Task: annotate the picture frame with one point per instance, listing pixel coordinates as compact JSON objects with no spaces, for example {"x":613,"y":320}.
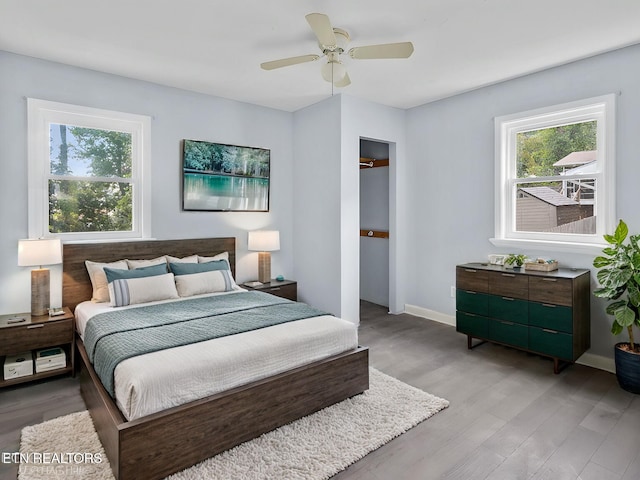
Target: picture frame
{"x":497,"y":258}
{"x":218,"y":177}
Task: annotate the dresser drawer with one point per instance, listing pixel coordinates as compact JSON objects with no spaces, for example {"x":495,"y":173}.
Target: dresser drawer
{"x":474,"y":325}
{"x":472,"y":279}
{"x":555,"y":317}
{"x":510,"y":309}
{"x":36,"y":335}
{"x":509,"y":284}
{"x":557,"y":291}
{"x":509,"y":333}
{"x":551,"y":342}
{"x":472,"y":302}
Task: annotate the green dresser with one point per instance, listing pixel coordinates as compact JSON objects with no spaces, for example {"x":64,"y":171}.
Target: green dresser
{"x":547,"y":313}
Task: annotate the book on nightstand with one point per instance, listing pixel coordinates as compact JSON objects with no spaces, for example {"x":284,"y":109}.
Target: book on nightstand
{"x":50,"y":359}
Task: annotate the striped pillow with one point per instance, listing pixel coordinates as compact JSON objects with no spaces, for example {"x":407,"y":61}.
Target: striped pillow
{"x":204,"y":282}
{"x":131,"y":291}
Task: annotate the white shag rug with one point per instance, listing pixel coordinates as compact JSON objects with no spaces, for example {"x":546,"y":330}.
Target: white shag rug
{"x":313,"y":448}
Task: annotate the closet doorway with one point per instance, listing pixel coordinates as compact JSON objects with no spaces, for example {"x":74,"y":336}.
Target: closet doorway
{"x":374,"y":222}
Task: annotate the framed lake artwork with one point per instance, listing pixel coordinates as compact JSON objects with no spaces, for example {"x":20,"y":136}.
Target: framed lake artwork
{"x":224,"y":178}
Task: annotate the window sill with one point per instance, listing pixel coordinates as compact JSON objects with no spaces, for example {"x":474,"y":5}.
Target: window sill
{"x":580,"y":248}
{"x":71,"y":240}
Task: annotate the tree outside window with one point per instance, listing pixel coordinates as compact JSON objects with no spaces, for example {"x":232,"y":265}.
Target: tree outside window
{"x":88,"y":172}
{"x":80,"y":200}
{"x":565,"y":203}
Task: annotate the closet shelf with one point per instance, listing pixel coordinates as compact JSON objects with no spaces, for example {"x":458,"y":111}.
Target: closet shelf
{"x":373,"y":162}
{"x":374,"y":233}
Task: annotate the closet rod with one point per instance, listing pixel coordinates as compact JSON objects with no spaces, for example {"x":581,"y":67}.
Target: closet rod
{"x":374,"y":233}
{"x":373,"y":162}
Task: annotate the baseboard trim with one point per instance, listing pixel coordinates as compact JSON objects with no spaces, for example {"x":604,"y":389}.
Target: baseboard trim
{"x":588,"y":359}
{"x":430,"y":314}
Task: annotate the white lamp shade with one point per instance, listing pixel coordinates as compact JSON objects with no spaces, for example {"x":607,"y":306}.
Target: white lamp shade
{"x":333,"y":71}
{"x":44,"y":251}
{"x":264,"y":240}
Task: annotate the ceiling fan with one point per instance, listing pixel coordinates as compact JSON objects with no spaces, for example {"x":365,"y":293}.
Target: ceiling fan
{"x":333,"y":42}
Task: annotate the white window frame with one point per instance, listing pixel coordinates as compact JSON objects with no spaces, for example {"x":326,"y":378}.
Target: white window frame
{"x":42,"y":113}
{"x":601,"y":109}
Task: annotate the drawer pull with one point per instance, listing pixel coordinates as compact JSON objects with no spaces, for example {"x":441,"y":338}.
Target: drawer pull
{"x":508,"y":298}
{"x":549,"y":279}
{"x":508,"y":274}
{"x":273,"y":289}
{"x":38,"y":325}
{"x":507,"y":323}
{"x":549,"y":331}
{"x":549,"y":305}
{"x":471,"y":293}
{"x":470,"y":270}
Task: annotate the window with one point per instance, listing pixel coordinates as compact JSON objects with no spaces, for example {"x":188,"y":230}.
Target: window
{"x":88,"y":172}
{"x":555,"y":175}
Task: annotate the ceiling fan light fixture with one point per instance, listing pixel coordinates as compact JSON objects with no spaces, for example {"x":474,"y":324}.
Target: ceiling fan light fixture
{"x":333,"y":71}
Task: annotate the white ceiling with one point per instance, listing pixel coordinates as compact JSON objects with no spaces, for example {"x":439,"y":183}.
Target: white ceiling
{"x":216,"y":46}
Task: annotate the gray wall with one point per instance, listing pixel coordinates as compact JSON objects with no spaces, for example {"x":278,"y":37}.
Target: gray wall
{"x":327,"y":200}
{"x":316,"y":208}
{"x":362,"y":119}
{"x":451,"y":181}
{"x":176,"y":115}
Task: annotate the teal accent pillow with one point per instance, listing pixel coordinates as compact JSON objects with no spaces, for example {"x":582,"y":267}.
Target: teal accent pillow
{"x":118,"y":274}
{"x":191,"y":268}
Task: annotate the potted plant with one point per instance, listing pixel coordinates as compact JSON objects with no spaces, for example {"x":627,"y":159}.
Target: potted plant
{"x":516,"y":260}
{"x":619,"y":278}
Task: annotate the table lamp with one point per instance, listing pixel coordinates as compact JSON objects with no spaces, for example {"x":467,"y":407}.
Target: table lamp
{"x":264,"y":241}
{"x":43,"y":251}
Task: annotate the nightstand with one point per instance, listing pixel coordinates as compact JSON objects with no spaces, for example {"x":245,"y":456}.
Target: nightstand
{"x":285,"y":288}
{"x":23,"y":332}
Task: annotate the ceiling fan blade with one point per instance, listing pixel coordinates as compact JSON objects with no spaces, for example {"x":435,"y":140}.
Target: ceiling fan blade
{"x":387,"y":50}
{"x":345,"y":82}
{"x":321,"y":26}
{"x":285,"y":62}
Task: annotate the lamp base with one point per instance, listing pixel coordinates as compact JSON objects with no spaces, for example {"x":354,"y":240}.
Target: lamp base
{"x":264,"y":267}
{"x":40,"y":295}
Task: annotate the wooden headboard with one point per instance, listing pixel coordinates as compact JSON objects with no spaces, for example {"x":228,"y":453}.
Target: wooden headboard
{"x":76,"y":285}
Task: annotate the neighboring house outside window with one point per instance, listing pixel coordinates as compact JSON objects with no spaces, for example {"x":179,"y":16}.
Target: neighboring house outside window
{"x":88,"y":172}
{"x":555,"y":176}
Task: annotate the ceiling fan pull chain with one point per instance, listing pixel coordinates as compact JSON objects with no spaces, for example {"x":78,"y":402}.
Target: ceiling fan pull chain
{"x":332,"y":78}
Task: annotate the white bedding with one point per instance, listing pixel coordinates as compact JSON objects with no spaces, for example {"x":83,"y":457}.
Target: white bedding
{"x":156,"y":381}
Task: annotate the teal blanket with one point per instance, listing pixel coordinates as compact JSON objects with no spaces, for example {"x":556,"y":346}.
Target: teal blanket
{"x":112,"y":337}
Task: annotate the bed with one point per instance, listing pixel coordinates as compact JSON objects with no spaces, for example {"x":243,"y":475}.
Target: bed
{"x":188,"y":433}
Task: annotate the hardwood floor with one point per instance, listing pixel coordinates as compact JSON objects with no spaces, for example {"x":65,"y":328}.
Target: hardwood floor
{"x":510,"y":417}
{"x":29,"y":404}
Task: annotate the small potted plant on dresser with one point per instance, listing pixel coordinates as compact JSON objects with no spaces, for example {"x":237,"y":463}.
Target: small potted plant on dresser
{"x":515,"y":260}
{"x":619,"y":278}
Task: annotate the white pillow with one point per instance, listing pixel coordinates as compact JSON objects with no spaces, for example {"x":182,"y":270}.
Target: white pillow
{"x":142,"y":290}
{"x":99,"y":279}
{"x":220,"y":256}
{"x":146,"y":263}
{"x":215,"y":258}
{"x":189,"y":259}
{"x":204,"y":282}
